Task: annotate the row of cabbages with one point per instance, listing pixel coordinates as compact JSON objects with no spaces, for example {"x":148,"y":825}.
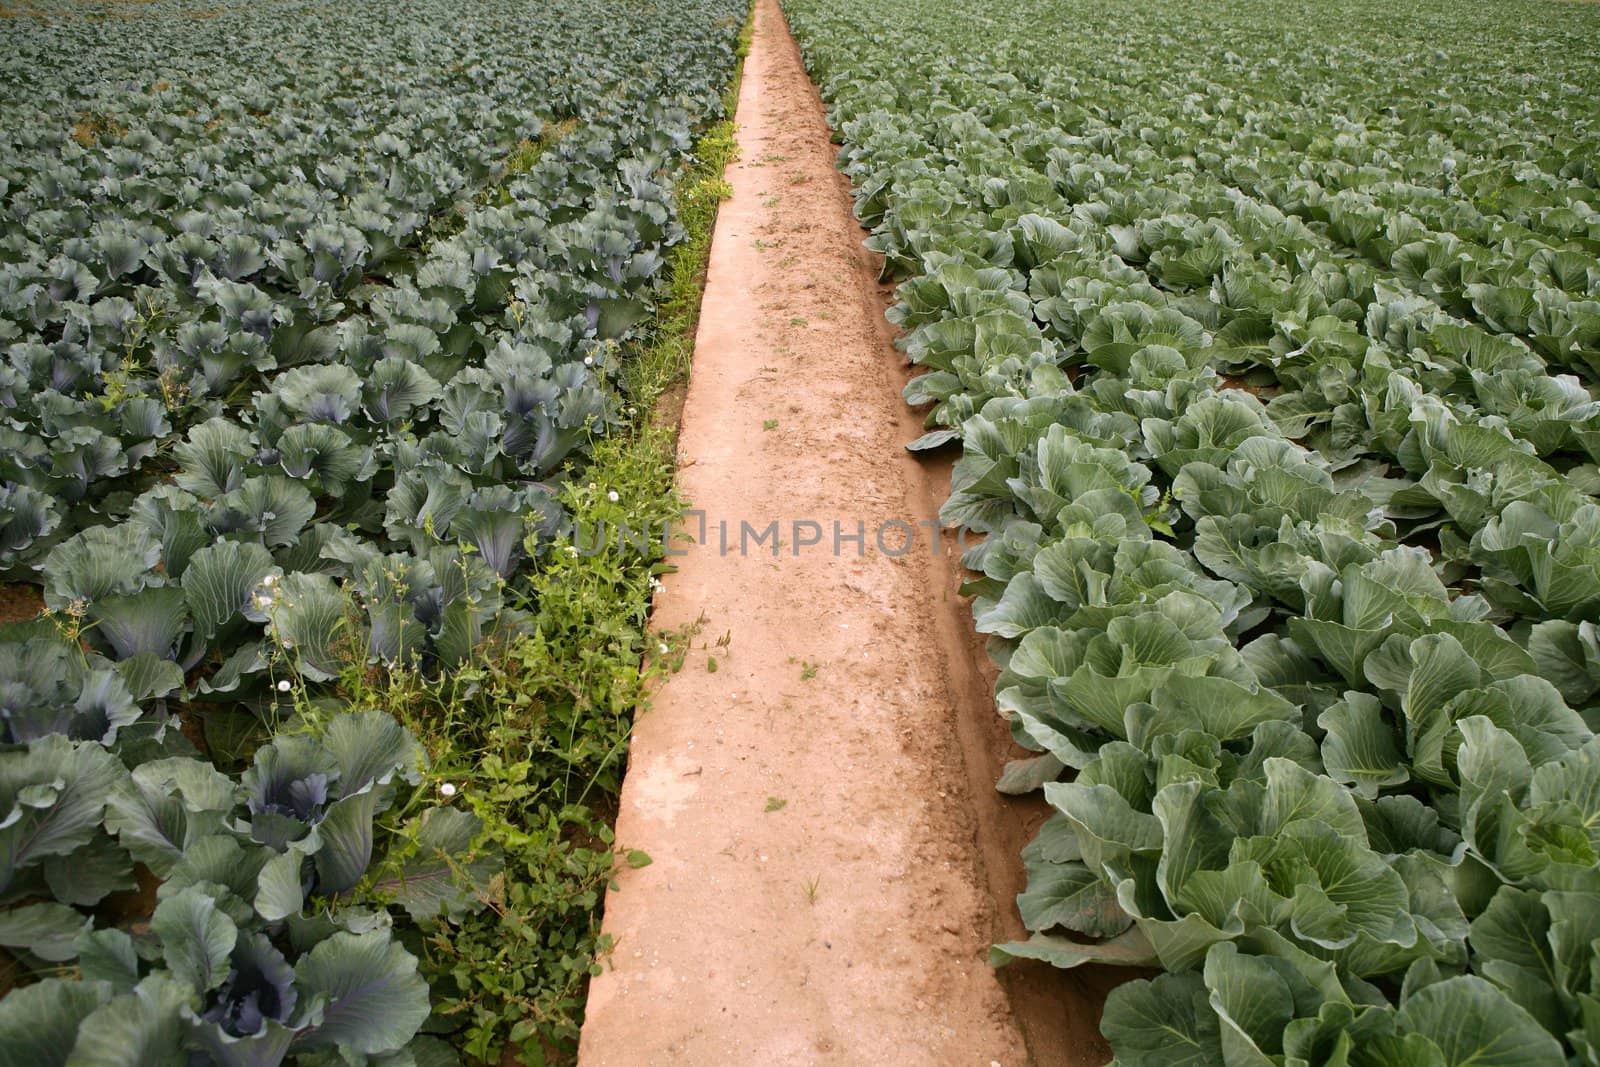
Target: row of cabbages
{"x":306,"y":313}
{"x":1275,"y":387}
{"x":317,"y":282}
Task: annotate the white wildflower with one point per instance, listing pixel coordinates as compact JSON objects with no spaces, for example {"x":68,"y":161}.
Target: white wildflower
{"x":613,"y":496}
{"x":284,"y":686}
{"x":662,"y":648}
{"x":448,"y":789}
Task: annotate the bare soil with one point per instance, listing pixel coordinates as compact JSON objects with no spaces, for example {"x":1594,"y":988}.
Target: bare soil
{"x":19,"y":603}
{"x":815,"y":785}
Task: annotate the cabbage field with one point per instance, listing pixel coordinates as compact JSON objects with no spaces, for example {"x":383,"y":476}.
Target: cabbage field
{"x":311,"y":316}
{"x":1270,"y":335}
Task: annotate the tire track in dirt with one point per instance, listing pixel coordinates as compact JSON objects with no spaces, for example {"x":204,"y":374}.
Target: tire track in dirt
{"x":814,"y":806}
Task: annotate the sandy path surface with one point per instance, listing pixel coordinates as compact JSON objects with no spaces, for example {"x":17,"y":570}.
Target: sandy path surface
{"x":814,"y":805}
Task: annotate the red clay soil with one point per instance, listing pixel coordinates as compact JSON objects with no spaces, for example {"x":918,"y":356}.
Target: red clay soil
{"x":830,"y":859}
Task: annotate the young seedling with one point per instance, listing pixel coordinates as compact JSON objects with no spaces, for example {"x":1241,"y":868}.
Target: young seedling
{"x":808,"y":670}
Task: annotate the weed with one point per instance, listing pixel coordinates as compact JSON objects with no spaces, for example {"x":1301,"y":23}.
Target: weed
{"x":522,"y":158}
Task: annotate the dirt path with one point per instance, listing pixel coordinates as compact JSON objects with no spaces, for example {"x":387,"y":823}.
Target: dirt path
{"x":813,"y":805}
